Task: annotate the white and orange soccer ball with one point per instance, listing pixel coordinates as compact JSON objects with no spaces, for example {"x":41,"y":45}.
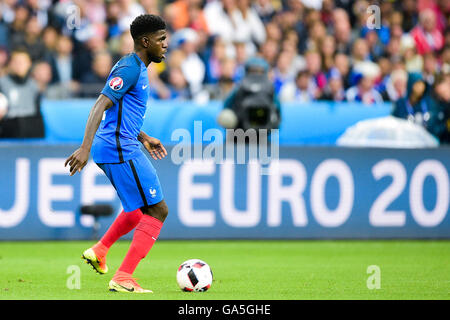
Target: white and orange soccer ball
{"x":194,"y":275}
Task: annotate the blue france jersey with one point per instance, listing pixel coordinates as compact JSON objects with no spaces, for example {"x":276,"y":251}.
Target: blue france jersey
{"x":127,"y":87}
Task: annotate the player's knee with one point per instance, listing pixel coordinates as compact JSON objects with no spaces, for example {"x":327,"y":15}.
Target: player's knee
{"x":158,"y":211}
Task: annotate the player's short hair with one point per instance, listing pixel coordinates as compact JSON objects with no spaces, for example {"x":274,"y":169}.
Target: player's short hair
{"x":146,"y":23}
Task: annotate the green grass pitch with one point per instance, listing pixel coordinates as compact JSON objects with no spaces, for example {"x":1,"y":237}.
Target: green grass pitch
{"x":288,"y":270}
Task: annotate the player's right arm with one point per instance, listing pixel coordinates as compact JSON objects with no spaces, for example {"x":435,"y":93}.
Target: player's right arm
{"x":80,"y":157}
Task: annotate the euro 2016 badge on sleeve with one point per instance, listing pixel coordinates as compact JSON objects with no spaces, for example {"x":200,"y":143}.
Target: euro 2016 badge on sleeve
{"x":116,"y":83}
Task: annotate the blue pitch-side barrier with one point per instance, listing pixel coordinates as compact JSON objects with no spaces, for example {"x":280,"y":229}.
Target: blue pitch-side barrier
{"x":310,"y":192}
{"x":312,"y":123}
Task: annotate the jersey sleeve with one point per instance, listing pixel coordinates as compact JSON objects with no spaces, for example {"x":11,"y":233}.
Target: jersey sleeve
{"x":120,"y":80}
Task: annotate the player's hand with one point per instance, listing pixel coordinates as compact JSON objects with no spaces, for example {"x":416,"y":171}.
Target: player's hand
{"x":154,"y":147}
{"x":77,"y":160}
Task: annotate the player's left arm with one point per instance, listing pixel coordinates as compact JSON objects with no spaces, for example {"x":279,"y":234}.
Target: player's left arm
{"x":152,"y":145}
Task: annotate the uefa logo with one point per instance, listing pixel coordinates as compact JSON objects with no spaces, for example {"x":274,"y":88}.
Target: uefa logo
{"x":116,"y":83}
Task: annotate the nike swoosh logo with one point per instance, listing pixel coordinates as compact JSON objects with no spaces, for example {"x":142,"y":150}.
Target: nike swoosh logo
{"x":128,"y":289}
{"x":143,"y":87}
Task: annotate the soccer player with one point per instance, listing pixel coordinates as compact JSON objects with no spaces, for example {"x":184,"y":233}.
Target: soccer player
{"x":116,"y":150}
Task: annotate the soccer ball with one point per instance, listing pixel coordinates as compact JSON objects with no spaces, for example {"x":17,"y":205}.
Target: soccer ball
{"x":194,"y":275}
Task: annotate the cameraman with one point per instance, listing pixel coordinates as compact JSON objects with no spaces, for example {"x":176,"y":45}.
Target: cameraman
{"x":253,"y":104}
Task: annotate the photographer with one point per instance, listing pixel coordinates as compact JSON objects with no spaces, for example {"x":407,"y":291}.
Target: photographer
{"x":253,"y":103}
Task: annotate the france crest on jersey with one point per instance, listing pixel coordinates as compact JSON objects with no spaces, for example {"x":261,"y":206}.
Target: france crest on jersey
{"x":127,"y":87}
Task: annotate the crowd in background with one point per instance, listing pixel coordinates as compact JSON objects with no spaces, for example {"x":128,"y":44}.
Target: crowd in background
{"x":338,"y":50}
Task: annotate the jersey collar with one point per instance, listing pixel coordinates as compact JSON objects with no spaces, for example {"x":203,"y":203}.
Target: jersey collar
{"x":139,"y":59}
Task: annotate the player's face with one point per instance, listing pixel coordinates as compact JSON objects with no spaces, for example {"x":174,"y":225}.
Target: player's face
{"x":157,"y":47}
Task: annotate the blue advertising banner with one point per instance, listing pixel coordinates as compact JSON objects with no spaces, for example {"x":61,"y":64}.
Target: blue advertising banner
{"x":303,"y":123}
{"x":308,"y":192}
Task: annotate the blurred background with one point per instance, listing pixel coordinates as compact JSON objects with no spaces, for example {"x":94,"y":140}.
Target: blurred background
{"x":395,"y":53}
{"x":331,"y":75}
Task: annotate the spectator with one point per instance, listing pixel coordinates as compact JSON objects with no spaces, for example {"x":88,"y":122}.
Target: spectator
{"x":192,"y":66}
{"x":218,"y":53}
{"x":50,"y":39}
{"x":334,"y":91}
{"x":396,"y":22}
{"x":364,"y":90}
{"x":197,"y":21}
{"x":393,"y":48}
{"x":42,"y":74}
{"x":415,"y":106}
{"x":360,"y":51}
{"x":241,"y":58}
{"x":85,"y":52}
{"x":302,"y":89}
{"x":129,"y":9}
{"x":342,"y":63}
{"x":383,"y":83}
{"x":375,"y":46}
{"x":283,"y":72}
{"x":413,"y":61}
{"x":63,"y":65}
{"x":40,"y":10}
{"x":313,"y":62}
{"x":397,"y":84}
{"x":123,"y":46}
{"x":410,"y":15}
{"x":182,"y":14}
{"x":93,"y":81}
{"x":225,"y":82}
{"x":112,"y":19}
{"x":269,"y":51}
{"x":265,"y":9}
{"x":150,"y":6}
{"x":95,"y":10}
{"x":177,"y":14}
{"x":20,"y":15}
{"x":251,"y":29}
{"x":219,"y":19}
{"x":426,"y":35}
{"x":317,"y":33}
{"x":24,"y":119}
{"x":440,"y":109}
{"x":328,"y":49}
{"x":342,"y":31}
{"x":273,"y":32}
{"x":7,"y":10}
{"x":291,"y":35}
{"x":430,"y":68}
{"x":30,"y":39}
{"x":178,"y":85}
